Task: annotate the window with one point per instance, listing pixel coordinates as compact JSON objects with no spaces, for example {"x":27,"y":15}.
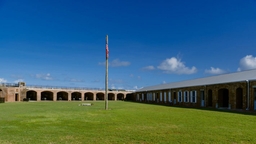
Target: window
{"x":142,"y":97}
{"x":160,"y":96}
{"x":138,"y":97}
{"x":180,"y":96}
{"x":149,"y":96}
{"x":193,"y":96}
{"x":154,"y":97}
{"x":186,"y":96}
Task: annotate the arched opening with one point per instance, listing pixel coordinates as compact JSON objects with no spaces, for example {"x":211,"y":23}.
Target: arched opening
{"x":223,"y":97}
{"x":76,"y":96}
{"x":31,"y":95}
{"x":62,"y":96}
{"x":47,"y":95}
{"x":129,"y":97}
{"x":210,"y":98}
{"x":120,"y":96}
{"x":17,"y":98}
{"x":111,"y":96}
{"x":239,"y":98}
{"x":88,"y":96}
{"x":100,"y":96}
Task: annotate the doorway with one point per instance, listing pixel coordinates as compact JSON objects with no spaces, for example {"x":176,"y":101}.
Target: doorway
{"x":223,"y":97}
{"x":210,"y":98}
{"x":16,"y":97}
{"x":174,"y":98}
{"x":239,"y":98}
{"x":254,"y":90}
{"x":202,"y":98}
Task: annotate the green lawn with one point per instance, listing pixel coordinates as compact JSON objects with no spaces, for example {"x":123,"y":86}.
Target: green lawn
{"x":125,"y":122}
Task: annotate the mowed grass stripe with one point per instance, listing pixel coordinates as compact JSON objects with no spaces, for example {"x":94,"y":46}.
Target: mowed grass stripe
{"x":125,"y":122}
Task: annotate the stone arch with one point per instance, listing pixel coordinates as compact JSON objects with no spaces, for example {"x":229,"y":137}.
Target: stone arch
{"x":223,"y":97}
{"x":210,"y":98}
{"x":100,"y":96}
{"x":88,"y":96}
{"x":76,"y":96}
{"x":239,"y":98}
{"x":120,"y":96}
{"x":47,"y":95}
{"x":129,"y":97}
{"x":111,"y":96}
{"x":62,"y":95}
{"x":31,"y":95}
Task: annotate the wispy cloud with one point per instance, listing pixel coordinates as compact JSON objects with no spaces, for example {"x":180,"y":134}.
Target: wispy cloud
{"x":214,"y":71}
{"x":247,"y":62}
{"x":116,"y":63}
{"x":2,"y":80}
{"x":176,"y":66}
{"x":44,"y":76}
{"x":76,"y":80}
{"x":148,"y":68}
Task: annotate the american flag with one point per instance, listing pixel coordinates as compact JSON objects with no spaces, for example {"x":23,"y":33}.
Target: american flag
{"x":107,"y":50}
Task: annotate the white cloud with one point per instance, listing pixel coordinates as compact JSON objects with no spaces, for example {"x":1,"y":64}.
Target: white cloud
{"x":174,"y":65}
{"x":113,"y":86}
{"x":116,"y":63}
{"x":136,"y":87}
{"x":214,"y":71}
{"x":44,"y":76}
{"x":2,"y":80}
{"x":18,"y":80}
{"x":247,"y":62}
{"x":148,"y":68}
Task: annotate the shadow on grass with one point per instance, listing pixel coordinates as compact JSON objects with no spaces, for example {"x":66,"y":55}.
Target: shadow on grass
{"x":226,"y":110}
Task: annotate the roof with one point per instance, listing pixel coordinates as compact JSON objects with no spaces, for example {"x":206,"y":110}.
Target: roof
{"x":219,"y":79}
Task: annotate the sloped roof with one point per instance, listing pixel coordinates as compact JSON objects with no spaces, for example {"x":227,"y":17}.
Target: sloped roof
{"x":219,"y":79}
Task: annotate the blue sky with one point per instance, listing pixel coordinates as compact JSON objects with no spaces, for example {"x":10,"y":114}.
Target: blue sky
{"x":62,"y":42}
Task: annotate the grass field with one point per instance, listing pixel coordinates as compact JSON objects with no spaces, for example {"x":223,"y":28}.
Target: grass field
{"x":125,"y":122}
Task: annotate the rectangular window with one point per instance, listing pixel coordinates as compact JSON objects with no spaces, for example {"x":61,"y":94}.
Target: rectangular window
{"x":169,"y":97}
{"x":154,"y":97}
{"x":160,"y":96}
{"x":138,"y":97}
{"x":186,"y":96}
{"x":150,"y":96}
{"x":142,"y":97}
{"x":180,"y":96}
{"x":193,"y":96}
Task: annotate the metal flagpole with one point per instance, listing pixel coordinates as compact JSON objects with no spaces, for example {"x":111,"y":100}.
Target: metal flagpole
{"x":106,"y":77}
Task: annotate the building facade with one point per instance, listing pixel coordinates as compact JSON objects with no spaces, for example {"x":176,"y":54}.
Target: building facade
{"x":227,"y":91}
{"x":21,"y":92}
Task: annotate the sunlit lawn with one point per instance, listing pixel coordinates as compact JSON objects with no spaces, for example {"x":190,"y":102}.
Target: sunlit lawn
{"x":125,"y":122}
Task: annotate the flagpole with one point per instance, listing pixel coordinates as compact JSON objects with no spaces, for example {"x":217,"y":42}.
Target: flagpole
{"x":106,"y":77}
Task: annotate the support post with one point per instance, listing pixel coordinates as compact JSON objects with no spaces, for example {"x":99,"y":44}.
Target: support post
{"x":106,"y":77}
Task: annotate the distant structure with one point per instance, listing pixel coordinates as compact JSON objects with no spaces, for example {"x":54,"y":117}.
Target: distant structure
{"x":226,"y":91}
{"x":21,"y":92}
